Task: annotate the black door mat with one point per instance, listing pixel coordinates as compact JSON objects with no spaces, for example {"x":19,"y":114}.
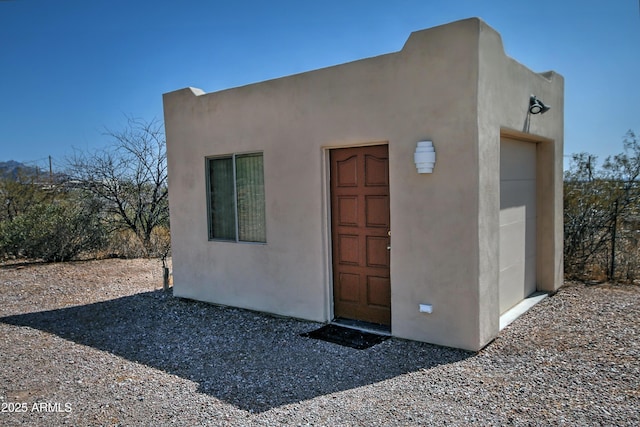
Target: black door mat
{"x":346,"y":336}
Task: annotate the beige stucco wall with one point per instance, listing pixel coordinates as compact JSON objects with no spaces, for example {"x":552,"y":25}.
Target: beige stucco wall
{"x":503,"y":100}
{"x":443,"y":224}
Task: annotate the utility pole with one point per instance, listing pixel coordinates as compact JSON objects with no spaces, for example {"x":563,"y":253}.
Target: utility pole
{"x":50,"y":172}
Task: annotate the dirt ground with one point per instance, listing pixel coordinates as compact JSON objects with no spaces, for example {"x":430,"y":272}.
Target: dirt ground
{"x":59,"y":285}
{"x":100,"y":343}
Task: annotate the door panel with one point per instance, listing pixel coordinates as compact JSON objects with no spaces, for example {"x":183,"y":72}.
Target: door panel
{"x":377,"y":211}
{"x":518,"y":218}
{"x":348,"y":210}
{"x":377,"y":252}
{"x":360,"y":233}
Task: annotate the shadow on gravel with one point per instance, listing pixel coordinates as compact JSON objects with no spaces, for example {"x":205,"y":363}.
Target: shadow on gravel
{"x":251,"y":360}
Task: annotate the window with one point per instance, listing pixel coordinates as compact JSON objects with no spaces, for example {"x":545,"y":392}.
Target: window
{"x":236,"y":198}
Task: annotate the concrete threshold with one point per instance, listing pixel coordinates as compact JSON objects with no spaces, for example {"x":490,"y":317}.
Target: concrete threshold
{"x":362,"y":326}
{"x":521,"y":308}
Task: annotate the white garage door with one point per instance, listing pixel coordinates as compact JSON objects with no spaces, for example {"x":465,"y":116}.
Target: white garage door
{"x":517,"y":221}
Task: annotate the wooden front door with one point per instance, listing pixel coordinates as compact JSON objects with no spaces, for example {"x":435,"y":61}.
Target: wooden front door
{"x":360,"y":233}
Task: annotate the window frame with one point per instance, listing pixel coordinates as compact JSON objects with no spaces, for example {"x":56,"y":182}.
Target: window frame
{"x":233,"y":157}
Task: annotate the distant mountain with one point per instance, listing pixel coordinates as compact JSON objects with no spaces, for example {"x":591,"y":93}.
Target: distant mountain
{"x":11,"y":169}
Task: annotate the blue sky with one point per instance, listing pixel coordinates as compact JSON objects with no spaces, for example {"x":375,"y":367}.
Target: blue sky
{"x":70,"y":69}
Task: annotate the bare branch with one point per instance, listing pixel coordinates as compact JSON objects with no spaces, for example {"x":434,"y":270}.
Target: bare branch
{"x":130,"y":177}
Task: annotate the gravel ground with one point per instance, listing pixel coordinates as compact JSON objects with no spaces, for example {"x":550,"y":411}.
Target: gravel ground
{"x":99,"y":343}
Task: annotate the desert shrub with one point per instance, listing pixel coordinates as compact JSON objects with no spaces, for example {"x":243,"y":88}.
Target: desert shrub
{"x":56,"y":231}
{"x":127,"y":244}
{"x":18,"y":194}
{"x":161,"y":242}
{"x":124,"y":244}
{"x":602,"y":215}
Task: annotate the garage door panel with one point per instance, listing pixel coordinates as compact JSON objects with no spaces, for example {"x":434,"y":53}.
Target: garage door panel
{"x":529,"y":276}
{"x":510,"y":295}
{"x":517,"y":241}
{"x":518,"y":193}
{"x":517,"y":261}
{"x":512,"y":244}
{"x":530,"y":238}
{"x":512,"y":215}
{"x":517,"y":159}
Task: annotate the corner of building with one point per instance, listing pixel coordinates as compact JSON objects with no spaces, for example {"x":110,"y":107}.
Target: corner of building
{"x":504,"y":90}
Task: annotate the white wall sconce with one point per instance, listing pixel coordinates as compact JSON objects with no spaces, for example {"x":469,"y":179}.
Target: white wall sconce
{"x":425,"y":157}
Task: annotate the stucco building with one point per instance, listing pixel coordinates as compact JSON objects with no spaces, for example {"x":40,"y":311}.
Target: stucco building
{"x":300,"y":196}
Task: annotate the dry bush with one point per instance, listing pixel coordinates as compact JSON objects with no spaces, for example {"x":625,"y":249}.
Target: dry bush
{"x":126,"y":244}
{"x":602,"y":216}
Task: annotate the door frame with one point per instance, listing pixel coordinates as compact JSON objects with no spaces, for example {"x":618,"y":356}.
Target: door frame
{"x":326,"y":221}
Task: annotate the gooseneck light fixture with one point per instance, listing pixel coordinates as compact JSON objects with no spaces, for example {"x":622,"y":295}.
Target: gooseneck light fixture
{"x":425,"y":157}
{"x":536,"y":106}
